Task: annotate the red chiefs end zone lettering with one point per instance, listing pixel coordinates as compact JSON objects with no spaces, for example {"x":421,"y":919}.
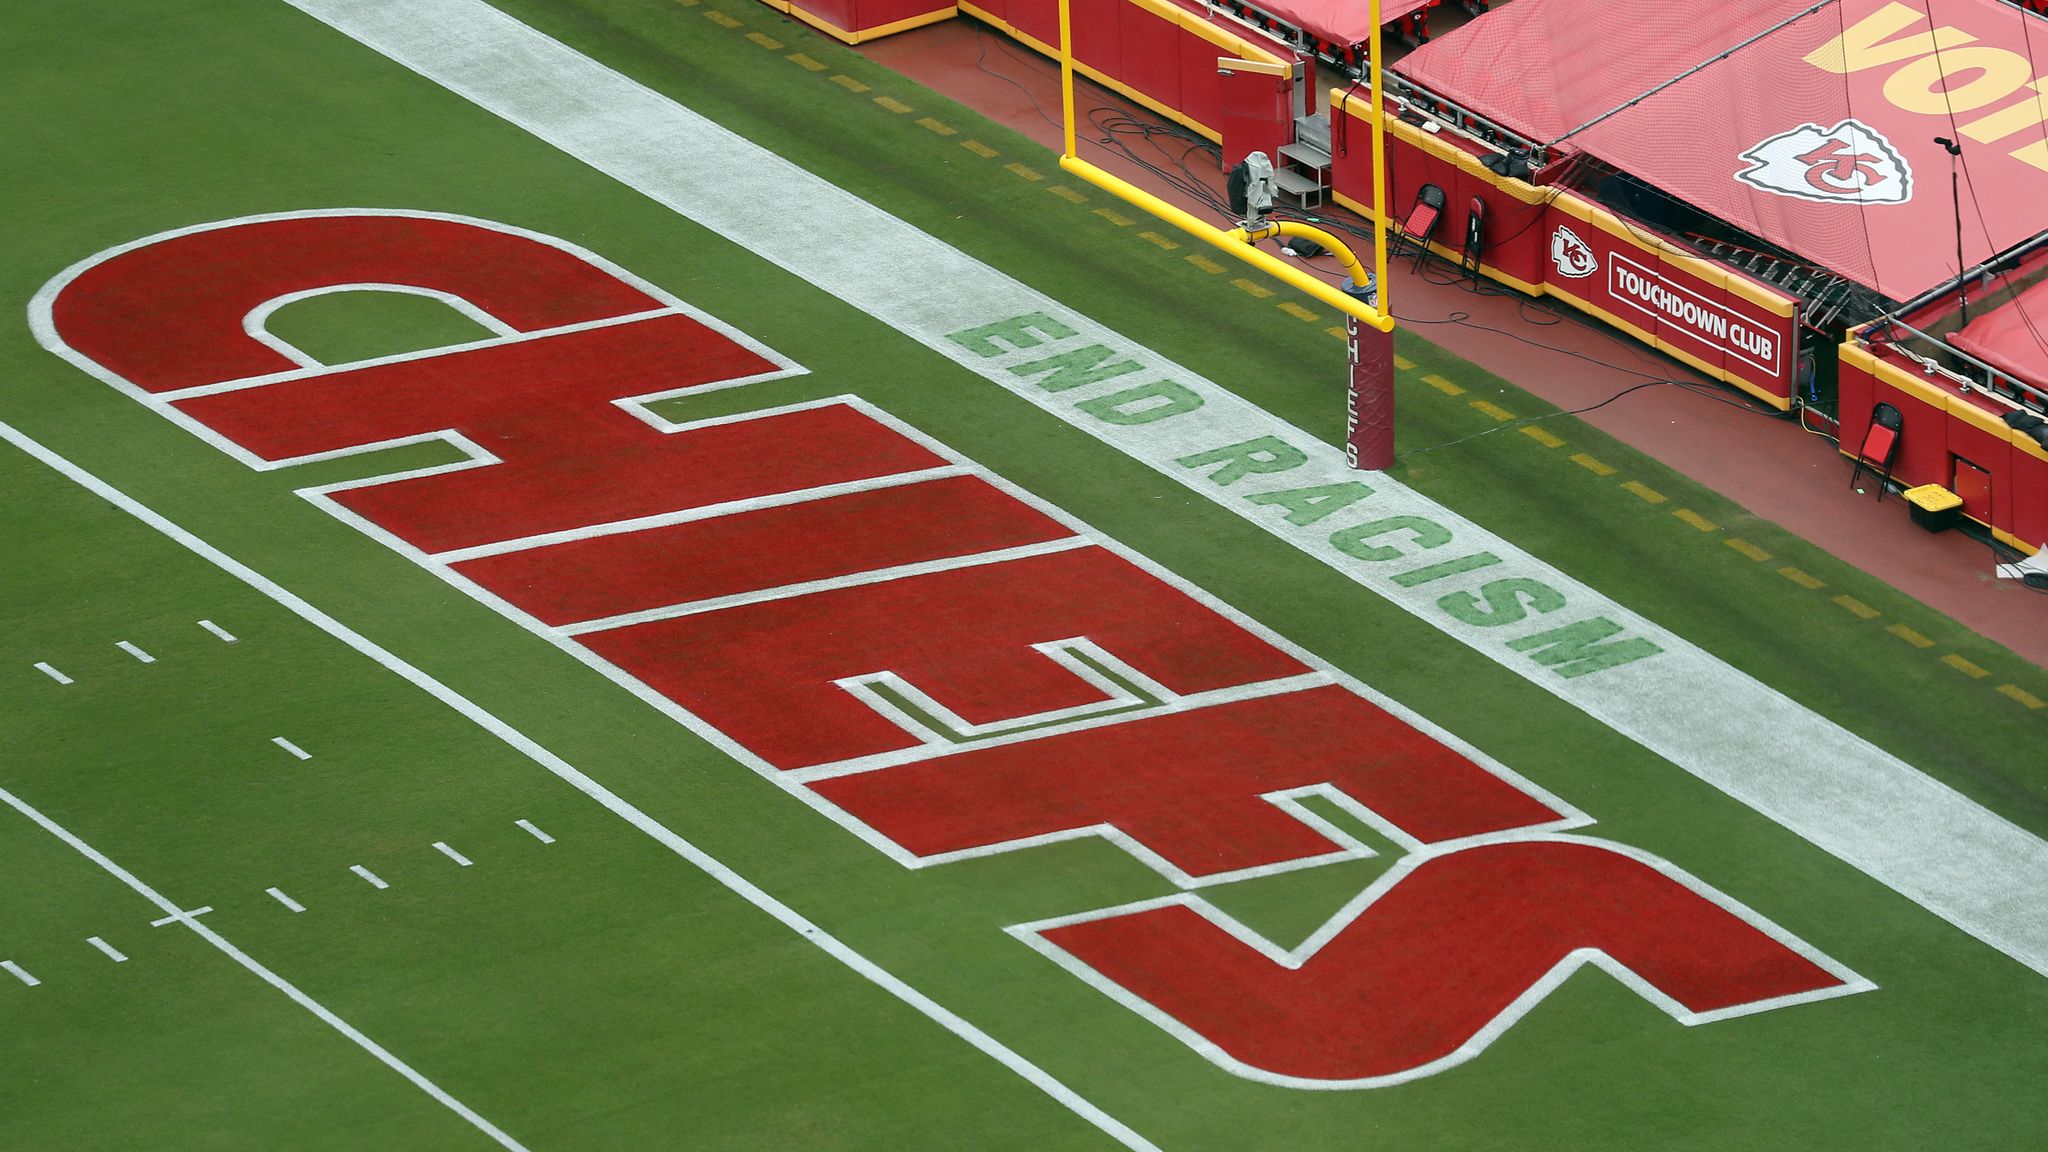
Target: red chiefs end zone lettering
{"x":939,"y":662}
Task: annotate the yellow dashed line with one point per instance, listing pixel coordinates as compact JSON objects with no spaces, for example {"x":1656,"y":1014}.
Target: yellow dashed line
{"x":1542,"y":437}
{"x":939,"y":126}
{"x":1592,"y":465}
{"x":1205,"y":264}
{"x":804,"y":62}
{"x":689,"y":3}
{"x":1253,"y":287}
{"x":1442,"y":385}
{"x":1159,"y":240}
{"x":1910,"y":636}
{"x":1858,"y":608}
{"x":1650,"y":495}
{"x":1113,"y":218}
{"x":1493,"y":410}
{"x":2026,"y":698}
{"x":892,"y":104}
{"x":1068,"y":194}
{"x":765,"y":42}
{"x":848,"y":82}
{"x":1746,"y":548}
{"x":1696,"y":520}
{"x":1031,"y":174}
{"x":1403,"y":363}
{"x":1801,"y":578}
{"x":1965,"y":667}
{"x":1298,"y":312}
{"x":980,"y":149}
{"x":720,"y":18}
{"x":1339,"y":333}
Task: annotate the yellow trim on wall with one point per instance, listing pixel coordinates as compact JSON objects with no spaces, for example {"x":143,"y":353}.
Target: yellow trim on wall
{"x":1926,"y":393}
{"x":845,"y":36}
{"x":1776,"y":303}
{"x":2004,"y":537}
{"x":1447,"y":252}
{"x":2028,"y":444}
{"x":1781,"y":403}
{"x":1164,"y":9}
{"x":1116,"y":86}
{"x":1961,"y":407}
{"x":1527,"y":193}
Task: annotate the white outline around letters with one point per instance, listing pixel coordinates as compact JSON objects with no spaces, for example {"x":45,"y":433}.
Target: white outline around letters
{"x":794,"y":782}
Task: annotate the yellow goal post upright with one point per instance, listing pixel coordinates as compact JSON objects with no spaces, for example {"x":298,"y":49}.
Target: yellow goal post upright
{"x":1369,"y":319}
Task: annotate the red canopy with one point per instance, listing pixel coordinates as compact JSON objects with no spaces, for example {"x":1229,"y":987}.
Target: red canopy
{"x":1818,"y":136}
{"x":1544,"y":67}
{"x":1341,"y":22}
{"x":2013,"y":337}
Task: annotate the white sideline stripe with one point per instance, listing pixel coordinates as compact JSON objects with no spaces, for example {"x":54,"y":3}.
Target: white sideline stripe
{"x":292,"y":748}
{"x":829,"y":583}
{"x":52,"y":673}
{"x":226,"y":636}
{"x":285,"y":900}
{"x":536,"y":833}
{"x":112,"y":953}
{"x":452,"y":854}
{"x":256,"y":969}
{"x":19,"y":973}
{"x":375,"y":881}
{"x":138,"y":653}
{"x":706,"y":512}
{"x":568,"y":773}
{"x":1914,"y":834}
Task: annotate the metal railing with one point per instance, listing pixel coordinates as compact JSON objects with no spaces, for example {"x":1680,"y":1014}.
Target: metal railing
{"x":1936,"y":357}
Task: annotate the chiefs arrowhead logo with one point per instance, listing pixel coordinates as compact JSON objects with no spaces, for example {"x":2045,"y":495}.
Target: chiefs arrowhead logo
{"x":1851,"y":162}
{"x":1574,"y":257}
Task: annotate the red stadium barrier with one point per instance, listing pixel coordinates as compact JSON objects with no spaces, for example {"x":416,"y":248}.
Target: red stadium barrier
{"x":1158,"y":54}
{"x":1549,"y":241}
{"x":854,"y":21}
{"x":1949,"y":438}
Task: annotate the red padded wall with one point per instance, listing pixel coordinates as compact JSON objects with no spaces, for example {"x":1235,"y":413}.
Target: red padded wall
{"x":1150,"y":51}
{"x":1094,"y":24}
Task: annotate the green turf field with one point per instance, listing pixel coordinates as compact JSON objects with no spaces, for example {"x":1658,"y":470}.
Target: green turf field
{"x":505,"y":901}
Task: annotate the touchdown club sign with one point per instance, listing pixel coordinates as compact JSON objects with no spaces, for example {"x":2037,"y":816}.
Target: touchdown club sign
{"x":1631,"y":283}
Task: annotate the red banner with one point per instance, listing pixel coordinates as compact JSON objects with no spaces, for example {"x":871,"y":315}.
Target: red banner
{"x":1635,"y":284}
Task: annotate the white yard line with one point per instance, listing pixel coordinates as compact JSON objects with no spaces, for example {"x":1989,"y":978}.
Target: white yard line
{"x":225,"y":636}
{"x":281,"y":898}
{"x":1923,"y":839}
{"x":111,"y":952}
{"x":536,"y":833}
{"x":562,"y":769}
{"x":452,"y":854}
{"x":296,"y":751}
{"x":19,"y":973}
{"x":52,"y":673}
{"x":180,"y":916}
{"x":138,"y":653}
{"x":248,"y":963}
{"x":374,"y":880}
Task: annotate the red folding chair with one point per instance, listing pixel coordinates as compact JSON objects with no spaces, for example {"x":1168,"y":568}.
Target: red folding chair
{"x":1880,"y":446}
{"x":1421,"y":221}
